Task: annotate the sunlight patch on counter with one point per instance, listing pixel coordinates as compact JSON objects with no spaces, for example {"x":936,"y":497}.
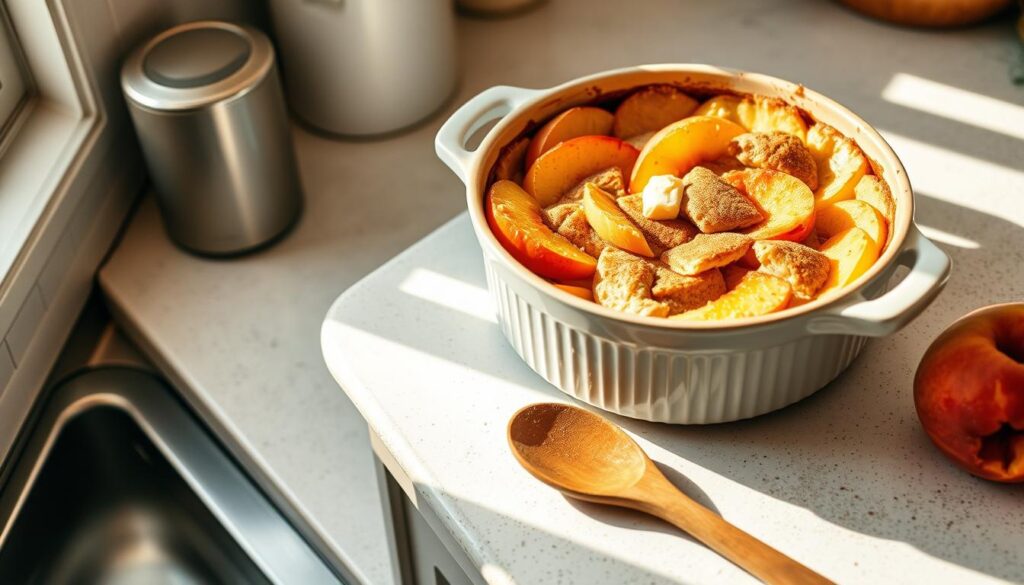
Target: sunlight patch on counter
{"x":954,"y":177}
{"x":448,"y":292}
{"x":956,"y":104}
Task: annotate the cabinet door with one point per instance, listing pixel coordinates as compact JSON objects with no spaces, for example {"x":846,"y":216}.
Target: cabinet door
{"x":431,"y":562}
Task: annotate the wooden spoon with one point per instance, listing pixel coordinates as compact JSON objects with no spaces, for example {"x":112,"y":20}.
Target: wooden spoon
{"x":587,"y":457}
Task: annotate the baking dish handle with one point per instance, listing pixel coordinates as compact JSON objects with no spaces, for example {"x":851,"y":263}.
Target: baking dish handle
{"x":929,"y":269}
{"x":486,"y":107}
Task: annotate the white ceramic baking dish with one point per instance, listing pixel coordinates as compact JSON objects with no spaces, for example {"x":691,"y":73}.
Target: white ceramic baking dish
{"x":676,"y":371}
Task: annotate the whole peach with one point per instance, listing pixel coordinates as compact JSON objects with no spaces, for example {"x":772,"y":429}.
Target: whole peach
{"x":969,"y":392}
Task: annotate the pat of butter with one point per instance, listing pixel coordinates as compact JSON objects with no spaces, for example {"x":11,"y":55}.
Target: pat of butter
{"x":662,"y":197}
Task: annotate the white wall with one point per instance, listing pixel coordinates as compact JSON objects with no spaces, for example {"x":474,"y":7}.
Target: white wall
{"x":140,"y":19}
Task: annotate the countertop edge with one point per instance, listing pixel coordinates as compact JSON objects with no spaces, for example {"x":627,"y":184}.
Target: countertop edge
{"x":385,"y":430}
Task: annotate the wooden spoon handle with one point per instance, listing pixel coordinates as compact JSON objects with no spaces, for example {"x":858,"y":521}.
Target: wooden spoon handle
{"x":756,"y":557}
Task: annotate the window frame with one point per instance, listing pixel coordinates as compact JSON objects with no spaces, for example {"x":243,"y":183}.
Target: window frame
{"x":15,"y":82}
{"x":71,"y":162}
{"x":52,"y":132}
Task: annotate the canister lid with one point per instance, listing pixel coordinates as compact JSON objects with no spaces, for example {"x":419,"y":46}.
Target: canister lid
{"x":196,"y":64}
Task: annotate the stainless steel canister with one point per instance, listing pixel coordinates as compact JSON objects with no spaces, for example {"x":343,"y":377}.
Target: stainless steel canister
{"x":366,"y":67}
{"x":207,"y":105}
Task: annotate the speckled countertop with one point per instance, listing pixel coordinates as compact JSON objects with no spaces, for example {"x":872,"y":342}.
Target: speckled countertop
{"x":844,"y":480}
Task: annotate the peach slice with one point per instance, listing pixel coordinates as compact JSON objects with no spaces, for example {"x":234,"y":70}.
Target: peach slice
{"x":850,"y":253}
{"x":841,"y":164}
{"x":754,"y":295}
{"x":510,"y":165}
{"x":651,"y":109}
{"x":611,"y":223}
{"x":875,"y":192}
{"x":572,"y":123}
{"x":756,"y":114}
{"x":583,"y":292}
{"x":679,"y":147}
{"x":785,"y":201}
{"x":563,"y":167}
{"x":844,"y":215}
{"x":586,"y":283}
{"x":515,"y":220}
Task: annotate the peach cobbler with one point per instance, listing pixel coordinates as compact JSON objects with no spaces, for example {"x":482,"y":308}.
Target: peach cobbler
{"x":660,"y":205}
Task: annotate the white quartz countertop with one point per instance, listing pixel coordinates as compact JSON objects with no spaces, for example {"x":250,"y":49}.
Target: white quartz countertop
{"x":241,"y":337}
{"x":844,"y":481}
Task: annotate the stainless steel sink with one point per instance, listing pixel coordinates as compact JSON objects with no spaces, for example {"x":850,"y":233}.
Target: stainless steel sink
{"x":117,"y":483}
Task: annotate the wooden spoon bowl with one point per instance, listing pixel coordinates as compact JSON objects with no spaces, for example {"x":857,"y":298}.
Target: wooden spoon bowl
{"x":606,"y":461}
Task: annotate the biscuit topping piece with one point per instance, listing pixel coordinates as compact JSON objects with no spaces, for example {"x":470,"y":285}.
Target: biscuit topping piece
{"x":555,"y":215}
{"x":577,"y":230}
{"x":608,"y":180}
{"x":714,"y":205}
{"x":805,"y":269}
{"x":707,"y":251}
{"x":623,"y":282}
{"x":777,"y":151}
{"x":682,"y":293}
{"x":661,"y":235}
